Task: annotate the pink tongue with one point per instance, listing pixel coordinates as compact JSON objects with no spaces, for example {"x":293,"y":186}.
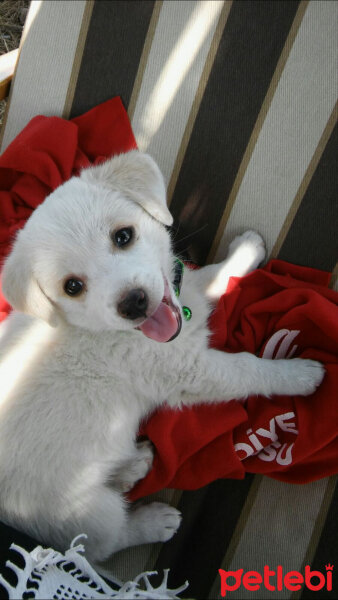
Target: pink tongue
{"x":162,"y":325}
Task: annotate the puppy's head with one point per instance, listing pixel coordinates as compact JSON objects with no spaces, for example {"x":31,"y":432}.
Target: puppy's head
{"x":97,"y":255}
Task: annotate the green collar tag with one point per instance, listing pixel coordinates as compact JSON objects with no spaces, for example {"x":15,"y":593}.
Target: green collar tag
{"x":178,"y":277}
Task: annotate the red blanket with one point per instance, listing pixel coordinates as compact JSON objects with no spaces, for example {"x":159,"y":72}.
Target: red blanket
{"x":279,"y":311}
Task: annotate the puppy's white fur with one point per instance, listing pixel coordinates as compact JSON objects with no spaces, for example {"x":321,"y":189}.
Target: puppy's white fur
{"x":77,"y":378}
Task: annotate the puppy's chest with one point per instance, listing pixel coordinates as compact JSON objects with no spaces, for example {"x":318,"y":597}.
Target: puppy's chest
{"x":154,"y":371}
{"x":133,"y":367}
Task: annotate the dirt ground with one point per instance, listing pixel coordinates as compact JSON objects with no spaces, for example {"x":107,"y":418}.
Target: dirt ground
{"x":12,"y":19}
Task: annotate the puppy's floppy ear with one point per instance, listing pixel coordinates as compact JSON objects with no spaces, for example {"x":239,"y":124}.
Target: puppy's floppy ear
{"x":21,"y":288}
{"x":138,"y":177}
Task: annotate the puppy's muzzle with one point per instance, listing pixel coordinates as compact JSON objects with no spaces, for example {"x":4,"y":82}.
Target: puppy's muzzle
{"x":134,"y":305}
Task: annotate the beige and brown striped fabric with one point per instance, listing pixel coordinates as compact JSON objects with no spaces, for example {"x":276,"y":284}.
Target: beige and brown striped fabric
{"x":236,"y":100}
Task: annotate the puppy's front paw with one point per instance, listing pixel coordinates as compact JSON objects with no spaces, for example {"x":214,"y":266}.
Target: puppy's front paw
{"x":250,"y":249}
{"x":305,"y":376}
{"x":310,"y":375}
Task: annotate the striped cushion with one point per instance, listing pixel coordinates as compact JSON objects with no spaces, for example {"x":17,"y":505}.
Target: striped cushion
{"x":237,"y":103}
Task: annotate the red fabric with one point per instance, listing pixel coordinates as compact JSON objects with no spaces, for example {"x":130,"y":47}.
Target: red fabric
{"x":281,"y":308}
{"x":270,"y":311}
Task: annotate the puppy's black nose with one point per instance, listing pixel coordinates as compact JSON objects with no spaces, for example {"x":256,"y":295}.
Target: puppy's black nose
{"x":134,"y":305}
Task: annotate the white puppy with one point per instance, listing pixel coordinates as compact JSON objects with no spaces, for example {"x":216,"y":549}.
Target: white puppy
{"x":83,"y":360}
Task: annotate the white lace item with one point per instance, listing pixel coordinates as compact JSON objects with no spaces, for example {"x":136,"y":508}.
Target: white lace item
{"x":50,"y":574}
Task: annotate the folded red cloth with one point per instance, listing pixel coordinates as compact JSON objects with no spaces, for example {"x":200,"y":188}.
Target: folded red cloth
{"x":279,"y":311}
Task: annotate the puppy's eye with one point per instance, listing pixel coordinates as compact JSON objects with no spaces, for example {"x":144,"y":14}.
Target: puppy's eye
{"x":122,"y":237}
{"x":73,"y":287}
